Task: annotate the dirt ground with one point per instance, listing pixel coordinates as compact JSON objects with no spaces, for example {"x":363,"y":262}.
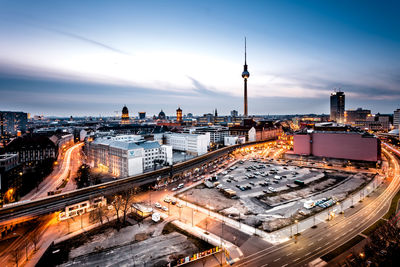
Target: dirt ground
{"x":271,"y":211}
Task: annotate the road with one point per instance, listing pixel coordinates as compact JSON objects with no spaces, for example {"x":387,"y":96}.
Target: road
{"x":314,"y":243}
{"x":66,"y":168}
{"x":22,"y":211}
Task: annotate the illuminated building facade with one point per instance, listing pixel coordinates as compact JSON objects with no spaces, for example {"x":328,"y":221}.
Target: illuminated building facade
{"x":179,"y":115}
{"x":125,"y":156}
{"x":125,"y":115}
{"x":351,"y":116}
{"x":33,"y":149}
{"x":12,"y":122}
{"x":337,"y":107}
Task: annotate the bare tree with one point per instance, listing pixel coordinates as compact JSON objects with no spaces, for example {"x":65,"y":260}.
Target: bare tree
{"x":117,"y":204}
{"x":15,"y":254}
{"x":35,"y":238}
{"x":99,"y":214}
{"x":128,"y":197}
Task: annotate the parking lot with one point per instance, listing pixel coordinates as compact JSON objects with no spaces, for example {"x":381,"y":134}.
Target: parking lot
{"x":270,"y":193}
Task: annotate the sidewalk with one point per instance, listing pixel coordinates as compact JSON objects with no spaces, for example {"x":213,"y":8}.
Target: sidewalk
{"x":234,"y":252}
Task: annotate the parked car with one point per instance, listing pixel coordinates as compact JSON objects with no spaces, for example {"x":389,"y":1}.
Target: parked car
{"x":164,"y":208}
{"x":157,"y":205}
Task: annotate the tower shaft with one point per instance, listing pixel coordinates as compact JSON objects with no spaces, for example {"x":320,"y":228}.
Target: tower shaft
{"x":245,"y":98}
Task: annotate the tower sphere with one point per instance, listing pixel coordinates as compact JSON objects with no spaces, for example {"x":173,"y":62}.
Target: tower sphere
{"x":245,"y":74}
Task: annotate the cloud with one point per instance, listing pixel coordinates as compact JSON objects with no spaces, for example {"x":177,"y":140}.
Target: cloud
{"x":85,"y":39}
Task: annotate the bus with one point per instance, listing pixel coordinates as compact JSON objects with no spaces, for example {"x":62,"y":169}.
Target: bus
{"x":298,"y":182}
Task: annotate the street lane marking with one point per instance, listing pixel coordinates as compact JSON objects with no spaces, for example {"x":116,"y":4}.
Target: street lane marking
{"x":296,"y":259}
{"x":289,"y":254}
{"x":320,"y":239}
{"x":285,"y":265}
{"x":312,"y":243}
{"x":336,"y":238}
{"x":277,"y":259}
{"x":299,"y":248}
{"x":307,"y":254}
{"x":318,"y":248}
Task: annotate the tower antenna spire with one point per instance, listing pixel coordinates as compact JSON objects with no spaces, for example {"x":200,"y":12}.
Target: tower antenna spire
{"x":245,"y":51}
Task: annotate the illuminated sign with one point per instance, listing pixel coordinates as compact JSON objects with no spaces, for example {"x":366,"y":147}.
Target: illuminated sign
{"x":197,"y":256}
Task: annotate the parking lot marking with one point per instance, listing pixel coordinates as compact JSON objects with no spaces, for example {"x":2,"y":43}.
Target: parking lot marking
{"x":307,"y":254}
{"x":312,"y":243}
{"x":296,"y":259}
{"x":299,"y":248}
{"x":277,"y":259}
{"x":320,"y":239}
{"x":285,"y":265}
{"x":318,"y":248}
{"x":289,"y":254}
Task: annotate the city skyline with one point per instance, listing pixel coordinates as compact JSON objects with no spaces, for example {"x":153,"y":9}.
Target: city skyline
{"x":65,"y":59}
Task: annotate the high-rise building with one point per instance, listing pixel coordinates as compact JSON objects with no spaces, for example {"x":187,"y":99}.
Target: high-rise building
{"x":179,"y":115}
{"x":337,"y":106}
{"x":396,"y":118}
{"x":142,"y":115}
{"x":12,"y":122}
{"x":245,"y":76}
{"x":125,"y":115}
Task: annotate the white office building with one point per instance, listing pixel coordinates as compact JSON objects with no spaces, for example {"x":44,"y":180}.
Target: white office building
{"x":127,"y":156}
{"x":217,"y":133}
{"x":196,"y":144}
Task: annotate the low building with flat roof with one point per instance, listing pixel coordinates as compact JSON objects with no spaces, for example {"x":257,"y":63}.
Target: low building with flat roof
{"x":349,"y":145}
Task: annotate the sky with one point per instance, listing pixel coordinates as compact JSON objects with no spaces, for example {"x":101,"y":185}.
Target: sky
{"x":79,"y":58}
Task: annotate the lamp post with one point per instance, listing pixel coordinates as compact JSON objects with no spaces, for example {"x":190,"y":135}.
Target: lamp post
{"x":222,"y":234}
{"x":314,"y":225}
{"x":192,"y":217}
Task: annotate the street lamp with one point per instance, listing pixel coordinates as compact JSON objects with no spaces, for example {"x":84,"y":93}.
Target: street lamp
{"x":222,"y":234}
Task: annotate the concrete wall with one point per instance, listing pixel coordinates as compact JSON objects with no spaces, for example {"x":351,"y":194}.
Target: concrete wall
{"x":352,"y":146}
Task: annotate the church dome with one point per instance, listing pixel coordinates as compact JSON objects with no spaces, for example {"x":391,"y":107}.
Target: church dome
{"x":161,"y":115}
{"x":125,"y":110}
